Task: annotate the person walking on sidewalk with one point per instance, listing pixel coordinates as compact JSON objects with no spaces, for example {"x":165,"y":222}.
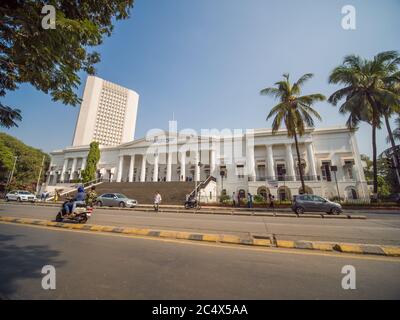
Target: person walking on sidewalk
{"x":249,"y":200}
{"x":234,"y":199}
{"x":157,"y":201}
{"x":271,"y":201}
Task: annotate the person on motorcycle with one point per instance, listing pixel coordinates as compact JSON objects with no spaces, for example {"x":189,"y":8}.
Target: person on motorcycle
{"x":78,"y":199}
{"x":91,"y":197}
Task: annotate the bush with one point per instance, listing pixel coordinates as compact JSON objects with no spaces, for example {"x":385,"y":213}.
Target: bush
{"x":258,"y":199}
{"x":225,"y":199}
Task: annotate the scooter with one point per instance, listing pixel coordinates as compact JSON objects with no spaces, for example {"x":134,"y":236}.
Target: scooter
{"x":81,"y":214}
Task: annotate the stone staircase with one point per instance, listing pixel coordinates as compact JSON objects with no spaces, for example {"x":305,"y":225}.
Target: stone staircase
{"x":171,"y":192}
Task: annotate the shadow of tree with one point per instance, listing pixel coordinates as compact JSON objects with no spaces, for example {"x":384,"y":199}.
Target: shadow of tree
{"x":22,"y":262}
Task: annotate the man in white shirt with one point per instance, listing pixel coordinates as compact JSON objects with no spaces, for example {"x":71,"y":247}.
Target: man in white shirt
{"x":157,"y":201}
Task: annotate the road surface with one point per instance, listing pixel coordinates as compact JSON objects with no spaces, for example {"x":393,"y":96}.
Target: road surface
{"x":103,"y":266}
{"x":378,"y":229}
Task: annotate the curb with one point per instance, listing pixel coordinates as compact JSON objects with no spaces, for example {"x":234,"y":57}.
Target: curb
{"x":383,"y":250}
{"x":226,"y":212}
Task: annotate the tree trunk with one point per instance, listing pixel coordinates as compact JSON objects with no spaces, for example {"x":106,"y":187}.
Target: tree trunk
{"x":299,"y":163}
{"x":374,"y":162}
{"x":374,"y":123}
{"x":393,"y":143}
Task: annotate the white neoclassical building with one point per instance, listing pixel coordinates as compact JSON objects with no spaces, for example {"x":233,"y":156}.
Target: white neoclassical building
{"x":255,"y":161}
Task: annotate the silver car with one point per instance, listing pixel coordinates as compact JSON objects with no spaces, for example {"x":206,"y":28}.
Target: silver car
{"x":115,"y":200}
{"x":20,"y":195}
{"x":310,"y":202}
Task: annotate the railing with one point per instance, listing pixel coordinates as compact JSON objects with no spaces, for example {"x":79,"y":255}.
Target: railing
{"x":85,"y":185}
{"x":286,"y":178}
{"x":201,"y":185}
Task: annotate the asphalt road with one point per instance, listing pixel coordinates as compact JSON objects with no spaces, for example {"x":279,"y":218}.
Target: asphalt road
{"x":99,"y":266}
{"x":378,"y":229}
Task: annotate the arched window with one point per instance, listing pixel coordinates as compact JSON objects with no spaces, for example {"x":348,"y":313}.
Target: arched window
{"x":263,"y":191}
{"x":284,"y":193}
{"x":307,"y":191}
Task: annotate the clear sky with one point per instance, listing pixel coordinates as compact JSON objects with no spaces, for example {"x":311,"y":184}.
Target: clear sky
{"x":206,"y":61}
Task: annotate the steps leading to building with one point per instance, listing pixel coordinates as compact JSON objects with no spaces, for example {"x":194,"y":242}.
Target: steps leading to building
{"x":143,"y":192}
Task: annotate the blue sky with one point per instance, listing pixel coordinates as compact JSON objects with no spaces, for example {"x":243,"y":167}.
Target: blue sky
{"x":206,"y":61}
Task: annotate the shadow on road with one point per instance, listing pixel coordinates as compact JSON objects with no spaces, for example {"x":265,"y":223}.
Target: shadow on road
{"x":22,"y":262}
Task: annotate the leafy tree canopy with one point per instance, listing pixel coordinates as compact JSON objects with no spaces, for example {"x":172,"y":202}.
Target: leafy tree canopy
{"x":93,"y":158}
{"x":29,"y":161}
{"x":50,"y":59}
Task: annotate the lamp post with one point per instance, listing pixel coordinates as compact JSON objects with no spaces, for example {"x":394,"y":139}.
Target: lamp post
{"x":40,"y":173}
{"x":334,"y":170}
{"x":11,"y":173}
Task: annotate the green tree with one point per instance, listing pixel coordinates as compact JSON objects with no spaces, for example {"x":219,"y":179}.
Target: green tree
{"x":28,"y":164}
{"x":93,"y":158}
{"x":396,"y":132}
{"x":294,"y":110}
{"x":50,"y":59}
{"x":365,"y":92}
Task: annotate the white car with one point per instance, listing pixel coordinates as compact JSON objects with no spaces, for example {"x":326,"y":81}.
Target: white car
{"x":20,"y":195}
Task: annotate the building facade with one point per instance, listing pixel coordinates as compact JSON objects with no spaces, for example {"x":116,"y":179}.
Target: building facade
{"x":107,"y":114}
{"x":254,"y":161}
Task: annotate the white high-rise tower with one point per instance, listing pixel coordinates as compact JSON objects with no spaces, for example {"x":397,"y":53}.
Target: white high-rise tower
{"x":107,"y":114}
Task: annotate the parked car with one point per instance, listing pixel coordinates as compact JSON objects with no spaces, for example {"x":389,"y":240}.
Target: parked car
{"x":311,"y":203}
{"x":115,"y":200}
{"x":20,"y":195}
{"x":395,"y":198}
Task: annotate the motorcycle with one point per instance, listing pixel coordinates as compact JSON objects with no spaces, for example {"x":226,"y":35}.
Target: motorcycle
{"x":81,"y":214}
{"x":192,"y":204}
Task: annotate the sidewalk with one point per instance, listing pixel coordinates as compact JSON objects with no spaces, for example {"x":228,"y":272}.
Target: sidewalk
{"x":275,"y":212}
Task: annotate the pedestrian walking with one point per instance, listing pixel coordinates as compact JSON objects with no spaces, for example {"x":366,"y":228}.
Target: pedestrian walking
{"x":249,"y":200}
{"x":271,"y":200}
{"x":56,"y":195}
{"x":157,"y":201}
{"x":234,"y":199}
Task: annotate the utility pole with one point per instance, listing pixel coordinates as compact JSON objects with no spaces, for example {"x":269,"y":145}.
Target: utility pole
{"x":40,"y":173}
{"x":12,"y":172}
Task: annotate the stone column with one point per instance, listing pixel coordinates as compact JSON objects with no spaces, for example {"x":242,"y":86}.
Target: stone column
{"x":131,"y":168}
{"x":251,"y":172}
{"x":311,"y":160}
{"x":270,"y":163}
{"x":212,"y":163}
{"x":182,"y":174}
{"x":169,"y":167}
{"x":155,"y":172}
{"x":143,"y":170}
{"x":73,"y":169}
{"x":196,"y":166}
{"x":120,"y":164}
{"x":83,"y":166}
{"x":64,"y":169}
{"x":290,"y":162}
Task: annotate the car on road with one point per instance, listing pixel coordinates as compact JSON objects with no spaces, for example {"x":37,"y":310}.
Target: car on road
{"x":312,"y":203}
{"x":115,"y":200}
{"x":20,"y":195}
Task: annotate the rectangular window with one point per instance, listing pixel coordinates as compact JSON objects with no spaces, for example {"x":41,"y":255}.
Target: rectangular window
{"x":326,"y":171}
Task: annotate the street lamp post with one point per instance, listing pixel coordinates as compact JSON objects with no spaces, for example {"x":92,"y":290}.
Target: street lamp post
{"x":11,"y":173}
{"x":40,"y":173}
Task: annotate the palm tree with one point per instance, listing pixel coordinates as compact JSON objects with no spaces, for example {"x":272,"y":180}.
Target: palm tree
{"x":388,"y":111}
{"x":396,"y":132}
{"x":365,"y":91}
{"x":294,"y":110}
